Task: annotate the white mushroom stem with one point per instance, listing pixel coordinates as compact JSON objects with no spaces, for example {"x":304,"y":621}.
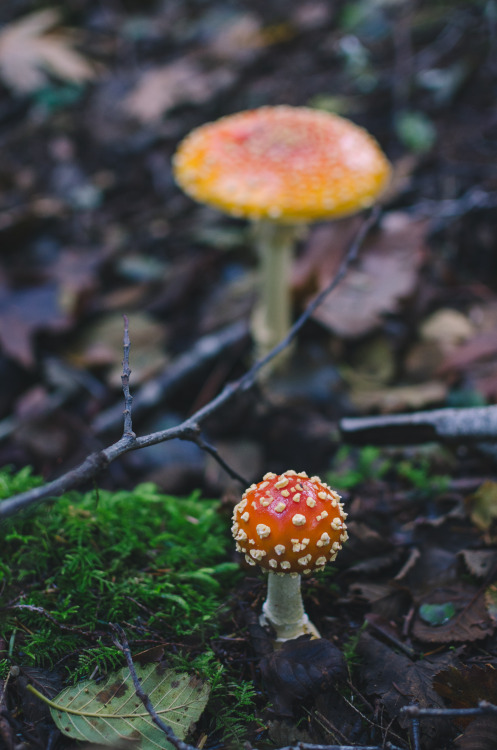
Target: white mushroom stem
{"x":273,"y":315}
{"x":284,"y":609}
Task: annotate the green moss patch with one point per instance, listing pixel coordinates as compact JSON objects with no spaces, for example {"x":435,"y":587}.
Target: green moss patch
{"x":156,"y":564}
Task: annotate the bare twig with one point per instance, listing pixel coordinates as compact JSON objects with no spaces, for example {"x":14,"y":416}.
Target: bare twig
{"x":123,"y":645}
{"x":96,"y":462}
{"x":484,"y":707}
{"x":128,"y":398}
{"x":158,"y":389}
{"x":208,"y":448}
{"x":69,"y":628}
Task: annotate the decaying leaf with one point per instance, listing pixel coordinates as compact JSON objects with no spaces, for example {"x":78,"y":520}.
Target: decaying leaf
{"x":387,"y":271}
{"x":109,"y":711}
{"x":466,"y":686}
{"x":471,"y":622}
{"x":399,"y":681}
{"x":483,"y":505}
{"x":28,"y":53}
{"x":24,"y":312}
{"x":480,"y":734}
{"x":100,"y":346}
{"x":183,"y":81}
{"x":400,"y":398}
{"x":447,"y":328}
{"x":479,"y":562}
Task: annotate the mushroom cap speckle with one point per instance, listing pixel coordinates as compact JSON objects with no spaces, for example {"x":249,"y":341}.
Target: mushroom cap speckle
{"x":289,"y":523}
{"x":285,"y":164}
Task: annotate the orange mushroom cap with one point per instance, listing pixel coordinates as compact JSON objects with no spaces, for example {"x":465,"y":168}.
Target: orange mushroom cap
{"x":289,"y":523}
{"x":286,"y":164}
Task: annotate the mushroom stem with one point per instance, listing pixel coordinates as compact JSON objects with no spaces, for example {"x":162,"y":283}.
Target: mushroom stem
{"x":272,"y":316}
{"x":284,"y":609}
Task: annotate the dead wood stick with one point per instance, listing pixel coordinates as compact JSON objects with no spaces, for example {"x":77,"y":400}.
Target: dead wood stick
{"x":469,"y":425}
{"x":158,"y":389}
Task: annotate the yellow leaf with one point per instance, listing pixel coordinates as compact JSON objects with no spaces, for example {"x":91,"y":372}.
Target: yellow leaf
{"x":483,"y":505}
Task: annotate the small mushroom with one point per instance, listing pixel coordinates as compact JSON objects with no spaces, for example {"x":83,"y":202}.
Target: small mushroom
{"x":289,"y":524}
{"x":281,"y":167}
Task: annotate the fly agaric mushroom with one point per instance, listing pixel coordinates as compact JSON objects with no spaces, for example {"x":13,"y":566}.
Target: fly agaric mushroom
{"x":289,"y":524}
{"x":281,"y":167}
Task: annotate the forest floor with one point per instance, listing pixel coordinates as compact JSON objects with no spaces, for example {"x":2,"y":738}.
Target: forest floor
{"x":94,"y":99}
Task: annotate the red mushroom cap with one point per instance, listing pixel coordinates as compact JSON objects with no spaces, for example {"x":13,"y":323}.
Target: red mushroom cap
{"x":289,"y":523}
{"x":286,"y":164}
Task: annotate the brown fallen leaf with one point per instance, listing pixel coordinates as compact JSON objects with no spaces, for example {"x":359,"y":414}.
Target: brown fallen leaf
{"x":386,"y":272}
{"x":25,"y":312}
{"x":183,"y":81}
{"x":480,"y":734}
{"x":470,"y":623}
{"x":400,"y":398}
{"x":464,"y":688}
{"x":28,"y":53}
{"x":399,"y":681}
{"x":100,"y":346}
{"x":479,"y":348}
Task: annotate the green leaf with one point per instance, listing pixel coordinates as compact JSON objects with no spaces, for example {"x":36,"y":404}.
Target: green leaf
{"x":416,"y":131}
{"x":437,"y":614}
{"x":110,"y":711}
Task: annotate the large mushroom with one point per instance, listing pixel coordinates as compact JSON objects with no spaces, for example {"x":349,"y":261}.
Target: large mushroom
{"x":281,"y":167}
{"x":290,"y":525}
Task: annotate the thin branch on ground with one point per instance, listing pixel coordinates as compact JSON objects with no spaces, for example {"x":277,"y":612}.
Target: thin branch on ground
{"x":95,"y":463}
{"x":122,"y":644}
{"x":128,"y":398}
{"x":415,"y":713}
{"x":467,"y":425}
{"x":483,"y":708}
{"x":92,"y":634}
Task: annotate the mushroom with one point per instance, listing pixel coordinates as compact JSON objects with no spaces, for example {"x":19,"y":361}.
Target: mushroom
{"x":281,"y":167}
{"x":290,"y":525}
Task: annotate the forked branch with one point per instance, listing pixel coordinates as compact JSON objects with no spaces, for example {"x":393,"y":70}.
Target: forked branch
{"x":95,"y":463}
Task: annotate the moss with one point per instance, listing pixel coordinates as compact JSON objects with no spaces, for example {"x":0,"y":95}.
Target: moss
{"x":152,"y":562}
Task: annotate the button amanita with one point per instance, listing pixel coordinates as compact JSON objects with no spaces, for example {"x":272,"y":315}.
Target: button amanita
{"x":281,"y":167}
{"x":289,"y":524}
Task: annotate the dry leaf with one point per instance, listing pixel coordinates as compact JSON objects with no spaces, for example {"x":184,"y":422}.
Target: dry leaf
{"x":470,"y":623}
{"x":400,"y":398}
{"x":447,"y":328}
{"x":483,"y":505}
{"x":25,"y":312}
{"x":479,"y":561}
{"x":160,"y":89}
{"x":399,"y":681}
{"x":387,"y":271}
{"x":480,"y":735}
{"x":28,"y":53}
{"x":101,"y":344}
